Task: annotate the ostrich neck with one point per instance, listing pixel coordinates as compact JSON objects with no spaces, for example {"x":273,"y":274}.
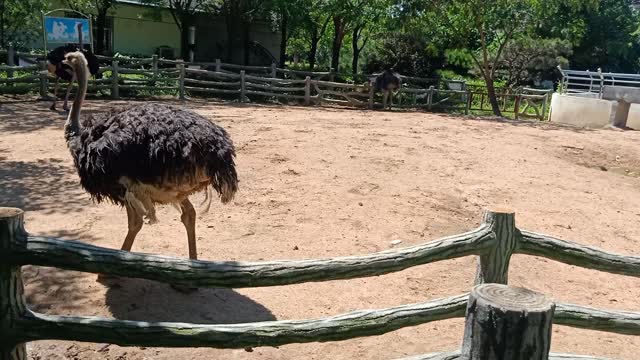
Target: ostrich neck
{"x":72,"y":127}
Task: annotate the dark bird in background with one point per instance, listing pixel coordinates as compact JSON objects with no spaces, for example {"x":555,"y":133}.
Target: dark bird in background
{"x":142,"y":155}
{"x":57,"y":68}
{"x":389,"y":82}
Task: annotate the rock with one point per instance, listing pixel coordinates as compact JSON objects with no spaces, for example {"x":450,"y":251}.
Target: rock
{"x":395,"y":242}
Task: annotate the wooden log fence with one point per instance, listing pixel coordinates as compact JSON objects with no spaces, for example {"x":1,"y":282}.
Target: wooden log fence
{"x":310,"y":88}
{"x":493,"y":242}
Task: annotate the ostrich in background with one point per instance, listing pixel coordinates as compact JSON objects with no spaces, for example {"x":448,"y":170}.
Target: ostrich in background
{"x":148,"y":154}
{"x":389,"y":83}
{"x":57,"y":68}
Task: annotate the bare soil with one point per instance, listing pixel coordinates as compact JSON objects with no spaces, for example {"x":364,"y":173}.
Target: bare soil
{"x":322,"y":182}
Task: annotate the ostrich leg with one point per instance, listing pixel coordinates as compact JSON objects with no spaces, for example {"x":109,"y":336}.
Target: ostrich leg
{"x":189,"y":220}
{"x":55,"y":94}
{"x":135,"y":224}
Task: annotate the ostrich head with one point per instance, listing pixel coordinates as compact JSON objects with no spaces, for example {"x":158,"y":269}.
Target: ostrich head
{"x":76,"y":61}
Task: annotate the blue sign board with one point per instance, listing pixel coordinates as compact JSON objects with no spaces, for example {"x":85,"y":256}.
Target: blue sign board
{"x":65,"y":30}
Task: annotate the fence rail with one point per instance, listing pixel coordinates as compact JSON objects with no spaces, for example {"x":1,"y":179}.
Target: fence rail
{"x":494,"y":241}
{"x":577,"y":81}
{"x":129,"y":77}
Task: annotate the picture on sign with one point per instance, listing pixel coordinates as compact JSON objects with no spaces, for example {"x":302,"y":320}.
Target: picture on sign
{"x":65,"y":30}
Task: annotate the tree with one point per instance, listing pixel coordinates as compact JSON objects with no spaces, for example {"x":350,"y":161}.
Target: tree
{"x":485,"y":27}
{"x":344,"y":14}
{"x":367,"y":20}
{"x":527,"y":59}
{"x":239,"y":15}
{"x":314,"y":24}
{"x":99,"y":9}
{"x":20,"y":21}
{"x":291,"y":14}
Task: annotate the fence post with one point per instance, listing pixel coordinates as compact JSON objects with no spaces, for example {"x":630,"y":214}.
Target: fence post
{"x":183,"y":72}
{"x":44,"y":80}
{"x":10,"y":61}
{"x":545,"y":103}
{"x":495,"y":310}
{"x":274,"y":70}
{"x":154,"y":66}
{"x":12,"y":303}
{"x":430,"y":97}
{"x":493,"y":266}
{"x":243,"y":86}
{"x":516,"y":106}
{"x":307,"y":90}
{"x":468,"y":104}
{"x":218,"y":65}
{"x":371,"y":94}
{"x":115,"y":91}
{"x":332,"y":74}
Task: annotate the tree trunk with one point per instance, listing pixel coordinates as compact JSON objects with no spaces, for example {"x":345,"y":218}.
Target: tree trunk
{"x":283,"y":39}
{"x":504,"y":322}
{"x":185,"y":23}
{"x":245,"y":42}
{"x":101,"y":21}
{"x":356,"y":49}
{"x":338,"y":36}
{"x":230,"y":32}
{"x":315,"y":39}
{"x":493,"y":98}
{"x":3,"y":41}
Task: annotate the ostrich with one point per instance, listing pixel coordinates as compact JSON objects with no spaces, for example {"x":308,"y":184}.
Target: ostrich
{"x":148,"y":154}
{"x":387,"y":81}
{"x":57,"y":68}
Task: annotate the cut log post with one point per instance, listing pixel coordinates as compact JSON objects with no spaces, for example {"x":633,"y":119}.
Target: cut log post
{"x":44,"y":80}
{"x":493,"y":266}
{"x":10,"y":62}
{"x":504,"y":322}
{"x":371,"y":93}
{"x":183,"y":72}
{"x":12,"y":303}
{"x":430,"y":97}
{"x":218,"y":65}
{"x":154,"y":66}
{"x":115,"y":92}
{"x":307,"y":90}
{"x":274,"y":71}
{"x":243,"y":86}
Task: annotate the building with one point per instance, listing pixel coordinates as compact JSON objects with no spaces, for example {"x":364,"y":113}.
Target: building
{"x":139,"y":29}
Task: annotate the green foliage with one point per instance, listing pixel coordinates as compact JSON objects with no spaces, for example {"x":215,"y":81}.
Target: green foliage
{"x":528,"y":59}
{"x":20,"y":21}
{"x":407,"y":54}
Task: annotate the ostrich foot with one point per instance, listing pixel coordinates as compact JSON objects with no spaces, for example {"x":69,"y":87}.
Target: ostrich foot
{"x":184,"y":289}
{"x":53,"y":107}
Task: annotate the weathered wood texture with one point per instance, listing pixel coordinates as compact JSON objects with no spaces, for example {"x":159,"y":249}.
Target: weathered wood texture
{"x":493,"y":267}
{"x":73,"y":255}
{"x":579,"y":255}
{"x":268,"y":333}
{"x":12,"y":303}
{"x":455,"y":355}
{"x":504,"y":322}
{"x":621,"y":322}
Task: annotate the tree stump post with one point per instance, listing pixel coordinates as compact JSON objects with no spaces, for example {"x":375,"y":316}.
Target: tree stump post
{"x":371,"y":94}
{"x":504,"y":322}
{"x":493,"y":267}
{"x":243,"y":86}
{"x":154,"y":66}
{"x":218,"y":65}
{"x":430,"y":97}
{"x":44,"y":79}
{"x":10,"y":61}
{"x":12,"y":302}
{"x":115,"y":90}
{"x":183,"y":73}
{"x":307,"y":90}
{"x":274,"y":71}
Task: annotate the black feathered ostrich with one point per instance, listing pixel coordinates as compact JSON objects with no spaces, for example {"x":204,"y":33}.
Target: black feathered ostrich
{"x":148,"y":154}
{"x":57,"y":68}
{"x":389,"y":82}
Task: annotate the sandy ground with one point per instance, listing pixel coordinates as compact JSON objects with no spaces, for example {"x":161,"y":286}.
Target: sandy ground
{"x":321,"y":182}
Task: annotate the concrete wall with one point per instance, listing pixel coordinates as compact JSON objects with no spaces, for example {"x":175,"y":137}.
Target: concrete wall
{"x":633,"y":121}
{"x":141,"y":30}
{"x":582,"y":111}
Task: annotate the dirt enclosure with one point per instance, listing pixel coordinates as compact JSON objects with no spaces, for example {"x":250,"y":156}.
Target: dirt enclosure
{"x":324,"y":182}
